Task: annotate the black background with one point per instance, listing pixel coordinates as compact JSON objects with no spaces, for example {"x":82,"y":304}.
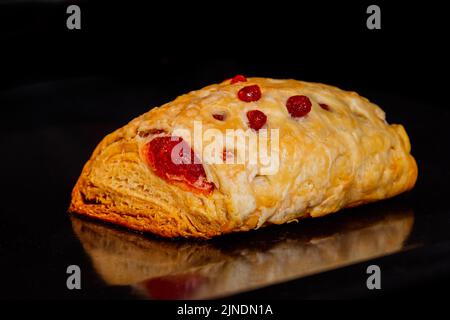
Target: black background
{"x":171,"y":48}
{"x":62,"y":90}
{"x":184,"y":46}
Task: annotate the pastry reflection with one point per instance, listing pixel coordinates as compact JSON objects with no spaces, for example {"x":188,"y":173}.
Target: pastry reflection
{"x":167,"y":269}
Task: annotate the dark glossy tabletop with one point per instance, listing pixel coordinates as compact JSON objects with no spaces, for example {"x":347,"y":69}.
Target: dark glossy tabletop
{"x":44,"y":152}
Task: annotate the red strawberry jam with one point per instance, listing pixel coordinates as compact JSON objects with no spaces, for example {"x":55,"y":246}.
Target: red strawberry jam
{"x":219,"y":117}
{"x":173,"y":160}
{"x":238,"y":78}
{"x":324,"y":106}
{"x":250,"y":93}
{"x":298,"y":106}
{"x":256,"y":119}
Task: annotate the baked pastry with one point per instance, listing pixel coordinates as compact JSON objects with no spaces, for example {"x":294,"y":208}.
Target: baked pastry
{"x":329,"y":149}
{"x":161,"y":269}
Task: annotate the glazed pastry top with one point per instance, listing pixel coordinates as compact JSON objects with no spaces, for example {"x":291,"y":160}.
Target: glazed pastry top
{"x":341,"y":153}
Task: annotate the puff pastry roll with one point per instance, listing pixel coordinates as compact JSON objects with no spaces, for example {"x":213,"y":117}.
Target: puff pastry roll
{"x":288,"y":150}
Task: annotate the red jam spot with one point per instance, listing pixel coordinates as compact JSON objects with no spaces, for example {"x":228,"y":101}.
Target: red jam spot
{"x":324,"y":106}
{"x":173,"y":160}
{"x":219,"y":117}
{"x":226,"y":154}
{"x":250,"y":93}
{"x":298,"y":106}
{"x":256,"y":119}
{"x":238,"y":78}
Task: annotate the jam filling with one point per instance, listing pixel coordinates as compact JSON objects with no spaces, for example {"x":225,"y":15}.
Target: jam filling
{"x":324,"y":106}
{"x":173,"y":160}
{"x":250,"y":93}
{"x":238,"y":78}
{"x":298,"y":106}
{"x":256,"y":119}
{"x":219,"y":117}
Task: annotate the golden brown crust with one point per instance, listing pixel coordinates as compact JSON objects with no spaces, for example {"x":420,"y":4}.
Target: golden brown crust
{"x":329,"y":160}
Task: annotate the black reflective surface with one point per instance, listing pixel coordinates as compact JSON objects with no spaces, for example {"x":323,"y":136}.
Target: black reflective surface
{"x":44,"y":153}
{"x":161,"y":269}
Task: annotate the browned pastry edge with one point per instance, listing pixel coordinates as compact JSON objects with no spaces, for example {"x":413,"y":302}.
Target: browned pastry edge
{"x":168,"y":229}
{"x":145,"y":224}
